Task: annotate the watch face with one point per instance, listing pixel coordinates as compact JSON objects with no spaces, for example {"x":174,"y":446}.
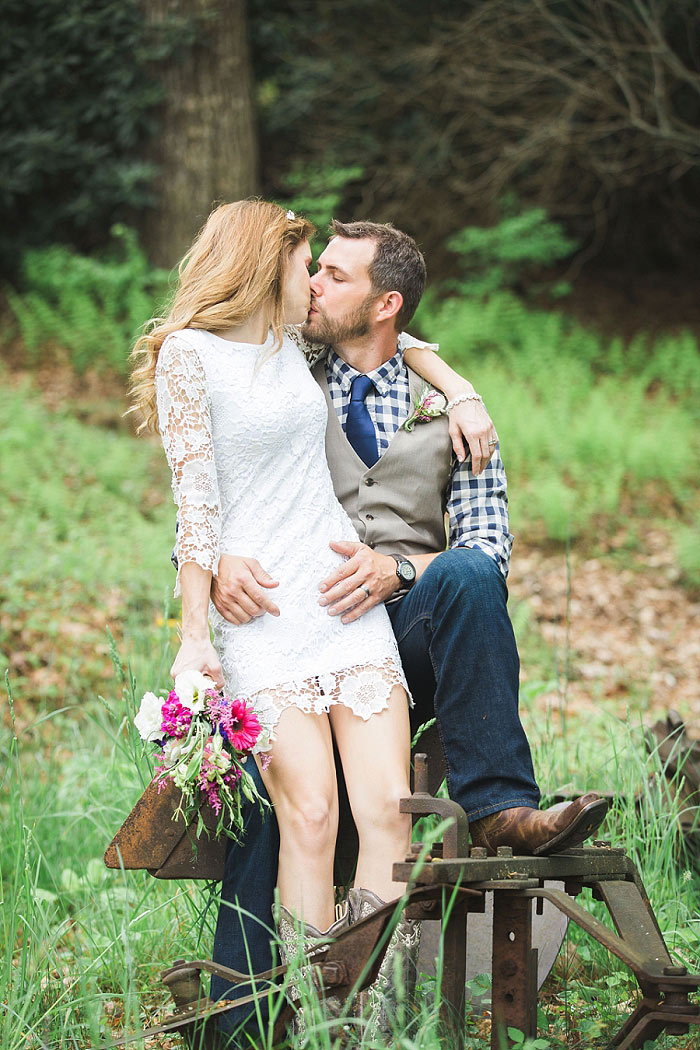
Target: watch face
{"x":406,"y":571}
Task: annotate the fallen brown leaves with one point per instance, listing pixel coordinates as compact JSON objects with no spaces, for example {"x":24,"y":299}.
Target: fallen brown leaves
{"x":621,"y":625}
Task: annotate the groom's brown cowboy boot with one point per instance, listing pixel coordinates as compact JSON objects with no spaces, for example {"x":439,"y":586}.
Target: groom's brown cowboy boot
{"x":538,"y":832}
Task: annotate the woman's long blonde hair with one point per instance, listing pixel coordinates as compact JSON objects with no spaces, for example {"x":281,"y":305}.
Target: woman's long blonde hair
{"x":233,"y":268}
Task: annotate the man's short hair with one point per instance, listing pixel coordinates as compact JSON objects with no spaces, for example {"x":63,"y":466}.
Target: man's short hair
{"x":398,"y":264}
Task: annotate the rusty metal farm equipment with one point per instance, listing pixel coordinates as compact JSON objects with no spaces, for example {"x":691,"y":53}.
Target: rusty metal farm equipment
{"x":451,"y":883}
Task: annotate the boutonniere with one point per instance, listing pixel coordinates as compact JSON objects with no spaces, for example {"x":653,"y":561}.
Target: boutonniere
{"x":428,"y":405}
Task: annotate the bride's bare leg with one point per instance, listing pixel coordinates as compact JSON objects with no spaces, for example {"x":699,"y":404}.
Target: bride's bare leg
{"x":302,"y":786}
{"x":376,"y":758}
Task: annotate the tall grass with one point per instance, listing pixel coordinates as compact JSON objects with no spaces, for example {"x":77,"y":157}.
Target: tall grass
{"x":86,"y":520}
{"x":82,"y":946}
{"x":593,"y":433}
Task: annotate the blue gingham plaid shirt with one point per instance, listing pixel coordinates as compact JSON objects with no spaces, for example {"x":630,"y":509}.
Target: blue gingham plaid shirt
{"x":477,"y":507}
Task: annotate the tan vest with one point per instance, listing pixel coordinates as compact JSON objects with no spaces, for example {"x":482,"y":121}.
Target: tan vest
{"x":398,"y":505}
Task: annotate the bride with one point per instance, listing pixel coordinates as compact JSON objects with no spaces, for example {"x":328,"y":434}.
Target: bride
{"x":243,"y":424}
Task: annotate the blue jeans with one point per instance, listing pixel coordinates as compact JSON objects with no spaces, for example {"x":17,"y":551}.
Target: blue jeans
{"x":461,"y":662}
{"x":458,"y":651}
{"x":244,"y":932}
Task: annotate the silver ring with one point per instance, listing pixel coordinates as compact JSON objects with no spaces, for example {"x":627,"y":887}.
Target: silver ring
{"x":365,"y":588}
{"x":494,"y":442}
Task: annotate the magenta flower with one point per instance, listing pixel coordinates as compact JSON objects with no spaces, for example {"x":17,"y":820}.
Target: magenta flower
{"x":236,"y":722}
{"x":176,"y":719}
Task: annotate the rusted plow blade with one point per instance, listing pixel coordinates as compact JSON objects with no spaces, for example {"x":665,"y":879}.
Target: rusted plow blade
{"x":152,"y":837}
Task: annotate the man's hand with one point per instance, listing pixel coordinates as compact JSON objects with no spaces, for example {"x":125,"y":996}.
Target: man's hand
{"x":237,"y":590}
{"x":198,"y":654}
{"x":346,"y":591}
{"x":470,"y":420}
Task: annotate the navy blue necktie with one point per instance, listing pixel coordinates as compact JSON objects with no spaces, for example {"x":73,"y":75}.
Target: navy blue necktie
{"x":359,"y":427}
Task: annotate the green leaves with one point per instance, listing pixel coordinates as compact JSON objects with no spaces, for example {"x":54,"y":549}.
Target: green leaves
{"x":496,"y":257}
{"x":317,"y":194}
{"x":89,"y":306}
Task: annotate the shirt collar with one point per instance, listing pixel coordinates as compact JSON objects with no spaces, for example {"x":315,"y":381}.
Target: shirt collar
{"x":383,"y":377}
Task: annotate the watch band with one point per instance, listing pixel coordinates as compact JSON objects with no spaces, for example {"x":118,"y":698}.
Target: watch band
{"x":405,"y":570}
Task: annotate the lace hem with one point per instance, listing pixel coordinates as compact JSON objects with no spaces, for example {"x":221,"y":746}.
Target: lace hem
{"x":364,"y":688}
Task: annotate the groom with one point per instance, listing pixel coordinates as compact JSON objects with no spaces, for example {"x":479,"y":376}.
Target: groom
{"x":447,"y":606}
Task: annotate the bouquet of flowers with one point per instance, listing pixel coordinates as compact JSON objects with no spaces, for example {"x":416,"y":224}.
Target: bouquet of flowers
{"x":204,"y":739}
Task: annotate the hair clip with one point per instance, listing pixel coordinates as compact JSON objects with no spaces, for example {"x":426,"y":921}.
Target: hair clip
{"x":290,"y":214}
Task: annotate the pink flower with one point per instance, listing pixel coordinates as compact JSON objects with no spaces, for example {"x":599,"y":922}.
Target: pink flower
{"x":237,"y":722}
{"x":428,"y":405}
{"x":211,"y":794}
{"x":215,"y":773}
{"x":175,"y":718}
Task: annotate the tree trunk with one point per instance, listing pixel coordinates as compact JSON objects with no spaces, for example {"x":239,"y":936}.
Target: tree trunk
{"x":205,"y":146}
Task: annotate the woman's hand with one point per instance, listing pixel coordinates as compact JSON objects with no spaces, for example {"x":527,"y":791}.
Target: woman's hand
{"x":469,"y":420}
{"x":198,"y":654}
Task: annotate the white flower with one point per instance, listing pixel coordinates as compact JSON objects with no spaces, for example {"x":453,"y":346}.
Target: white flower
{"x":172,"y":752}
{"x":435,"y":401}
{"x":190,"y":687}
{"x":179,"y":775}
{"x":149,"y":718}
{"x":429,"y":404}
{"x":219,"y":761}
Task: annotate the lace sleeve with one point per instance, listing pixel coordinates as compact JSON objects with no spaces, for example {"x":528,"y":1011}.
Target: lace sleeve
{"x":184,"y":422}
{"x":313,"y":352}
{"x":405,"y":340}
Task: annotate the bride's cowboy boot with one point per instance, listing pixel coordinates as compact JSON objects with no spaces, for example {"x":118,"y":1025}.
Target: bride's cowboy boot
{"x":399,"y":967}
{"x":297,"y":939}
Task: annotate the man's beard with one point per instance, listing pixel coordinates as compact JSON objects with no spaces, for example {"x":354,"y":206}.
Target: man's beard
{"x":355,"y":325}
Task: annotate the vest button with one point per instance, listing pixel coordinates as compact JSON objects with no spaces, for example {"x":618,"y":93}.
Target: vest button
{"x":370,"y":517}
{"x":370,"y":481}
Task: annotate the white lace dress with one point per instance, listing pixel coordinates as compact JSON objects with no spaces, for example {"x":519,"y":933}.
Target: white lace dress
{"x":244,"y":434}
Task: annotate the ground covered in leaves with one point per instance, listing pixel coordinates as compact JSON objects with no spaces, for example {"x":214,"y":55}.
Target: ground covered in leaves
{"x":617,"y":627}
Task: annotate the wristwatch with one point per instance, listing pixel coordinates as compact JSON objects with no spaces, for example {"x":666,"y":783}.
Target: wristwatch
{"x":405,"y":570}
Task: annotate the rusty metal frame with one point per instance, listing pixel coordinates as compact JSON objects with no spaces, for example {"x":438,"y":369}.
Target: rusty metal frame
{"x":341,"y":967}
{"x":448,"y":881}
{"x":518,"y":881}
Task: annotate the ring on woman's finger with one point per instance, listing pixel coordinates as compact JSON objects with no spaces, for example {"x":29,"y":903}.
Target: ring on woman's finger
{"x":494,"y":442}
{"x":365,"y":588}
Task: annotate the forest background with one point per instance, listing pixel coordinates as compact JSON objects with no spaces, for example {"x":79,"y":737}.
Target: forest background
{"x":546,"y":156}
